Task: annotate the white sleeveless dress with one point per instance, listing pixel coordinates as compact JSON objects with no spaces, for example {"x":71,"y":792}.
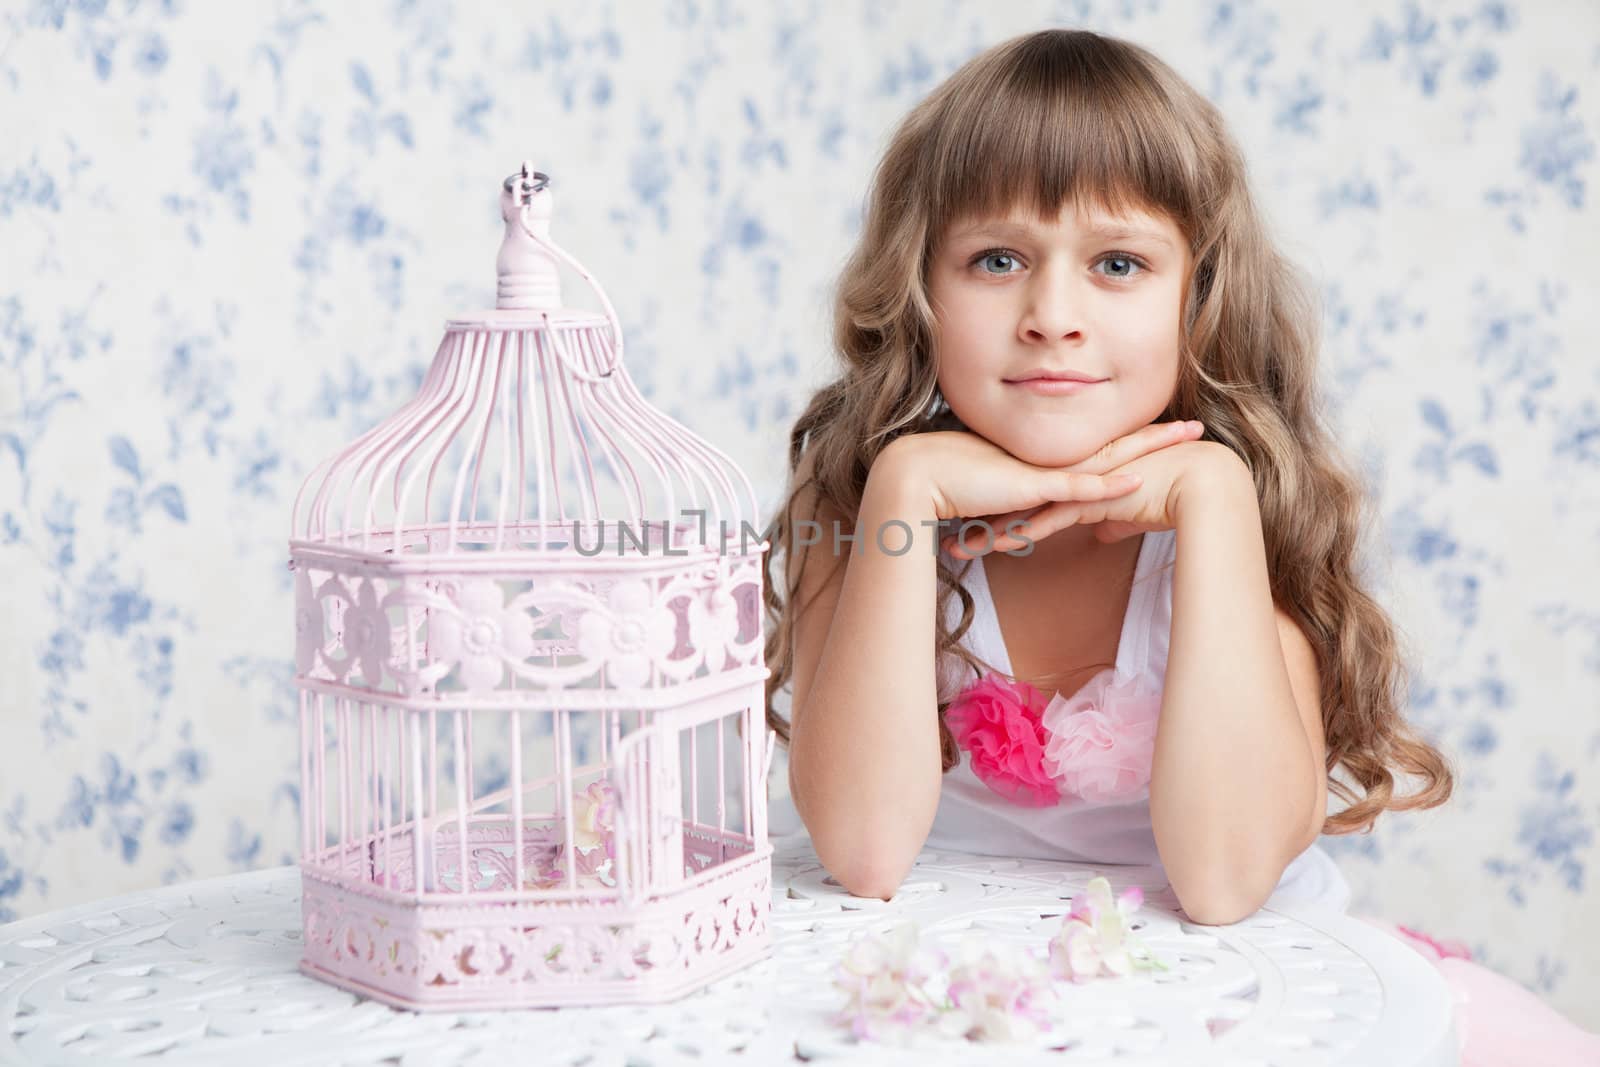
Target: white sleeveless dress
{"x":971,"y":817}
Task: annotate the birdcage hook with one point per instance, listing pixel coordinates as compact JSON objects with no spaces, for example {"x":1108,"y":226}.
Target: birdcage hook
{"x":527,"y":182}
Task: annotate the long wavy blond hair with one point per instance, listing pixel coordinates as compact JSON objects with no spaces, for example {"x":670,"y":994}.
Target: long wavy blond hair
{"x":1070,"y":116}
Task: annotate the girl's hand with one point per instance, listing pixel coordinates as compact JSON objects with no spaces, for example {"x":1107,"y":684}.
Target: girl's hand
{"x":967,"y":476}
{"x":1151,"y":506}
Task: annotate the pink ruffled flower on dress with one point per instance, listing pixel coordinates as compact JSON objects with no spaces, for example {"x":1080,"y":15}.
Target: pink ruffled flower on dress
{"x":1100,"y":742}
{"x":998,"y":723}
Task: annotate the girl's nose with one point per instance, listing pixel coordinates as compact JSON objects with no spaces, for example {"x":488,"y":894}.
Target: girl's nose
{"x":1052,"y":312}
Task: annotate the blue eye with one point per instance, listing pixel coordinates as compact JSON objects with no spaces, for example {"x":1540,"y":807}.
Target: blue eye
{"x":1130,"y":262}
{"x":994,"y":253}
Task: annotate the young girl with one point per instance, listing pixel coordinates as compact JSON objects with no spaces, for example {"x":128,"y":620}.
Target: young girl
{"x":1076,"y":441}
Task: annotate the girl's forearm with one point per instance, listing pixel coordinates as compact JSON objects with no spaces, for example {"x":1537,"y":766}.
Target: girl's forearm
{"x":1232,"y":778}
{"x":864,"y":768}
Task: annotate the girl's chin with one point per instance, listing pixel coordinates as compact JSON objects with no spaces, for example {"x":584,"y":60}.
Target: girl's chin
{"x":1042,"y":453}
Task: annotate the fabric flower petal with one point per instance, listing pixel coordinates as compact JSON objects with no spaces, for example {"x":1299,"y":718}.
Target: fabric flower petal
{"x":998,"y":723}
{"x":1101,"y":741}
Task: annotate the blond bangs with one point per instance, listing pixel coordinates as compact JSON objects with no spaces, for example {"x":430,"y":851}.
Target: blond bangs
{"x":1047,"y":132}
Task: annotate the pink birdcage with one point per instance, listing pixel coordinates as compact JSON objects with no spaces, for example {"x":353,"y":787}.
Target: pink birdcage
{"x":534,"y":754}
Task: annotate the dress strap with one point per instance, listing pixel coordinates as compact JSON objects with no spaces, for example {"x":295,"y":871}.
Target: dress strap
{"x":1150,"y":576}
{"x":983,"y":638}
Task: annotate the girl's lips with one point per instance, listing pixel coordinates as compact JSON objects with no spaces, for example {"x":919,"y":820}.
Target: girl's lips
{"x":1054,"y":386}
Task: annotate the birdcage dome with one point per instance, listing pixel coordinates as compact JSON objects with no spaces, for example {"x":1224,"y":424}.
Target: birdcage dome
{"x":527,"y":423}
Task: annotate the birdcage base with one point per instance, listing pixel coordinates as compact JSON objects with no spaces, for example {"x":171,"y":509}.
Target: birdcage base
{"x":539,"y":953}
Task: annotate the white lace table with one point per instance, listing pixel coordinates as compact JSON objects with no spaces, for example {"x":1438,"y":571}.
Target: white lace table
{"x":205,"y":973}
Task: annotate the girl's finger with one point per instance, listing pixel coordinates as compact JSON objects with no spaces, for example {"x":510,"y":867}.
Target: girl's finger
{"x":1054,"y":519}
{"x":1062,"y":486}
{"x":1141,"y":442}
{"x":1057,"y":517}
{"x":992,"y":536}
{"x":1058,"y":487}
{"x":1041,"y":523}
{"x":1000,"y":523}
{"x":1064,"y":490}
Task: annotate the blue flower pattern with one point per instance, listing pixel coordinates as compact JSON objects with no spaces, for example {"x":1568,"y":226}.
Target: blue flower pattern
{"x":232,"y":234}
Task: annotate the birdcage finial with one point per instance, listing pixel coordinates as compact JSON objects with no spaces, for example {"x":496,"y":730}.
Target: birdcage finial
{"x":528,"y":278}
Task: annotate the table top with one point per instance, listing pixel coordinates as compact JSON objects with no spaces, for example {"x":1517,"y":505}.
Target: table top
{"x":207,"y":972}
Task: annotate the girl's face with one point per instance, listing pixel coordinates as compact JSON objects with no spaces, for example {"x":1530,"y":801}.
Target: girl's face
{"x":1091,"y":294}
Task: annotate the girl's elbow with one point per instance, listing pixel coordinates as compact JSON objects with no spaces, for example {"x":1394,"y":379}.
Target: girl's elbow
{"x":1218,"y":911}
{"x":1220,"y":901}
{"x":870,"y":873}
{"x":874,"y":885}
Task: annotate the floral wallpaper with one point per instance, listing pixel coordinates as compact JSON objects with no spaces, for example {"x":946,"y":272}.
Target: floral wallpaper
{"x":231,"y":235}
